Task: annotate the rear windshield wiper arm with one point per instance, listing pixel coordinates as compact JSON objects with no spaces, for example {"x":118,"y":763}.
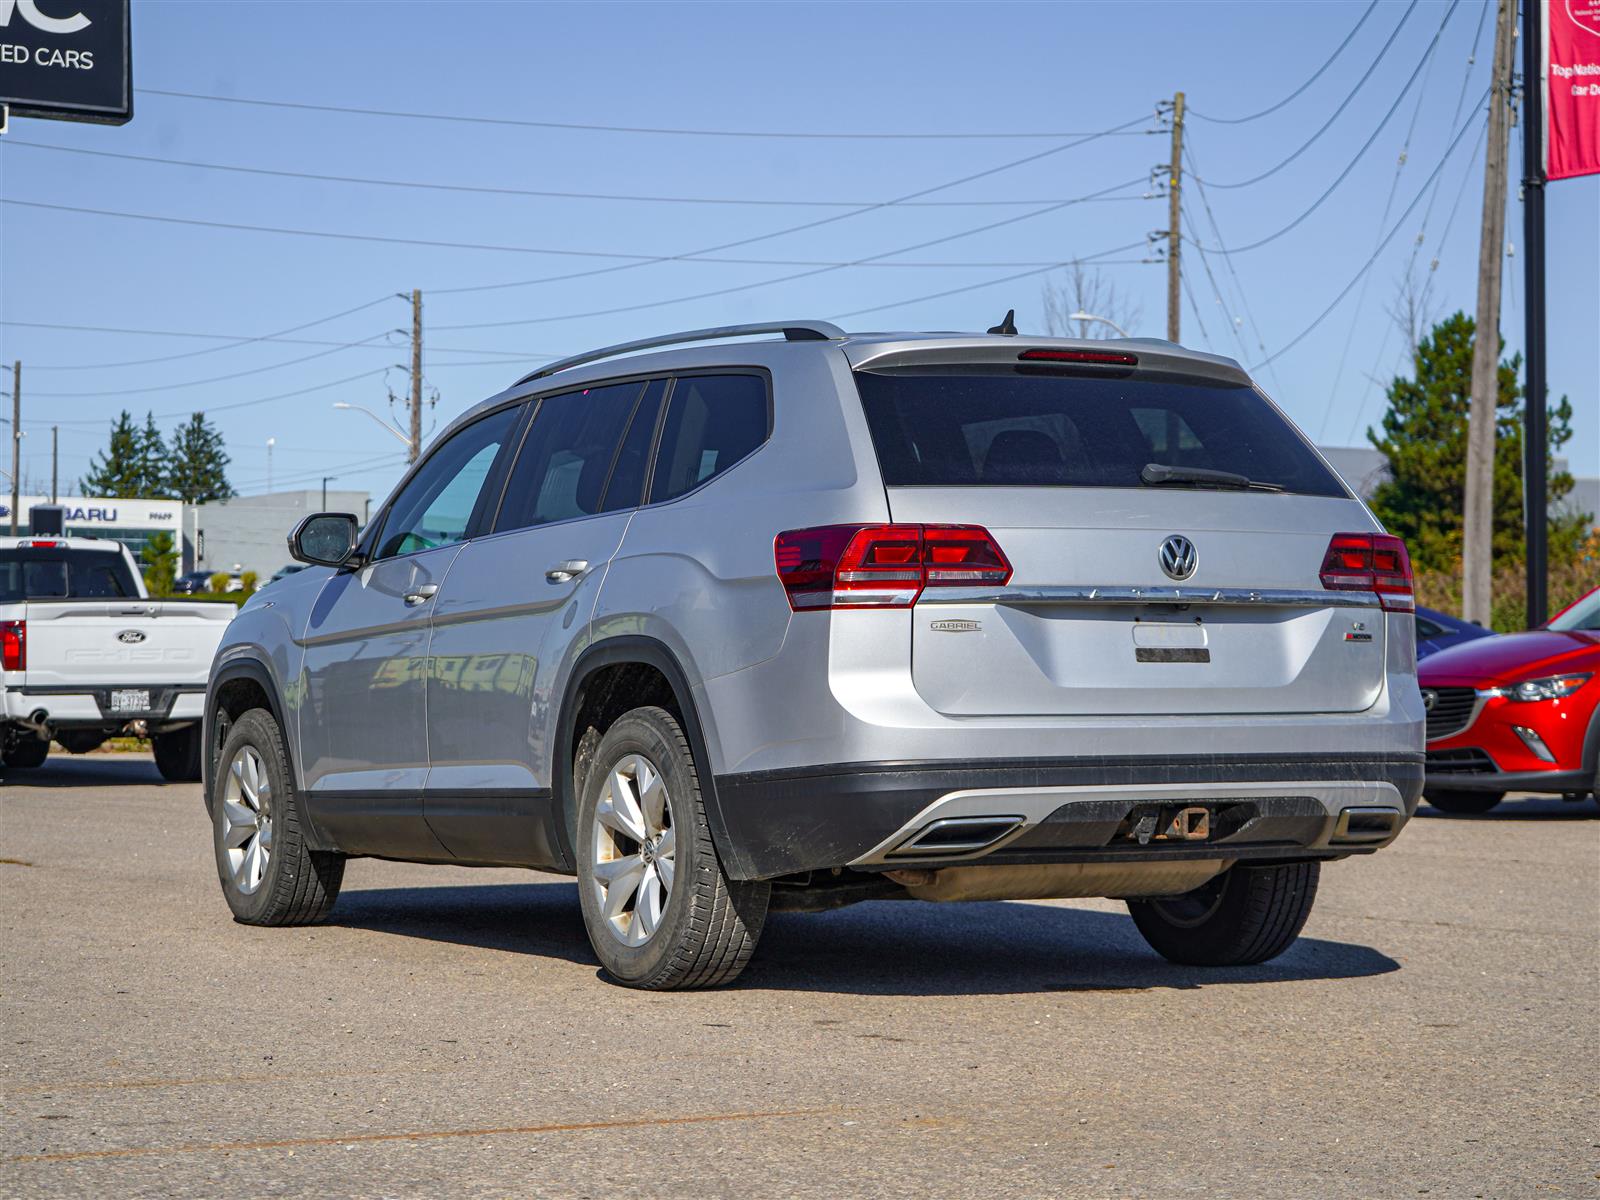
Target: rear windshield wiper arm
{"x":1156,"y":474}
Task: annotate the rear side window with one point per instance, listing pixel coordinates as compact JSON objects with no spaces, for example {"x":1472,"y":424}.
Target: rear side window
{"x":52,"y":575}
{"x":566,"y":458}
{"x":712,"y":422}
{"x":1006,"y":427}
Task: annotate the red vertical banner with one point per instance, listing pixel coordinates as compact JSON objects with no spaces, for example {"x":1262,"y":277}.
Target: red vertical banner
{"x":1572,"y":87}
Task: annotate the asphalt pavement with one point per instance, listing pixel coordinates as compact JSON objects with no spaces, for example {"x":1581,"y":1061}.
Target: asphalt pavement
{"x":1435,"y":1030}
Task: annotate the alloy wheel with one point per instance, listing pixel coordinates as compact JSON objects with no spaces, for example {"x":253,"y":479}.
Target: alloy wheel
{"x":247,"y":819}
{"x":634,"y":850}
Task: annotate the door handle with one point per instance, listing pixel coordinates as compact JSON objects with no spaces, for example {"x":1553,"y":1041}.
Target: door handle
{"x":422,"y":595}
{"x":562,"y":572}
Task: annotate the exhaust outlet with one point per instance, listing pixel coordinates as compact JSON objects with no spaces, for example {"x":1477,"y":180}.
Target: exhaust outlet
{"x":38,"y":722}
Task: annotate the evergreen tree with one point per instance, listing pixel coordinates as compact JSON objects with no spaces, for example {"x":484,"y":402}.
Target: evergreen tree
{"x":117,"y":471}
{"x":1424,"y":437}
{"x":197,"y":465}
{"x":158,"y":559}
{"x":153,"y":461}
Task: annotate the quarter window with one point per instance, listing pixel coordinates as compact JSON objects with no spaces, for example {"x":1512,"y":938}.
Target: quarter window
{"x":712,"y":422}
{"x":567,"y":456}
{"x":436,"y":507}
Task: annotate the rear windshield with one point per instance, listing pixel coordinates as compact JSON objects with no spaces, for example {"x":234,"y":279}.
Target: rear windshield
{"x":1015,"y":427}
{"x":64,"y":575}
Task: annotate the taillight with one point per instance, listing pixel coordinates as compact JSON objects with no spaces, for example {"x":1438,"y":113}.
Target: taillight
{"x":883,"y":566}
{"x":1370,"y":562}
{"x":14,"y":645}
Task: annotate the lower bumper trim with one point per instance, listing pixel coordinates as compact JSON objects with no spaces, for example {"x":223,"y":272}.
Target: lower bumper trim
{"x":1265,"y":807}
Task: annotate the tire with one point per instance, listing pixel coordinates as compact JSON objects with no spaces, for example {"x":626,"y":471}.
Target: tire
{"x":1463,"y":803}
{"x":695,"y":928}
{"x":276,"y":879}
{"x":1245,"y":915}
{"x":178,"y":754}
{"x":26,"y":753}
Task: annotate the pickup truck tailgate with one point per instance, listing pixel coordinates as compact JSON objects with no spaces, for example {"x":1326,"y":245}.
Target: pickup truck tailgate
{"x":107,"y":642}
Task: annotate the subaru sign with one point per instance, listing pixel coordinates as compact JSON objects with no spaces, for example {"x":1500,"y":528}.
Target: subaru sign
{"x":66,"y":60}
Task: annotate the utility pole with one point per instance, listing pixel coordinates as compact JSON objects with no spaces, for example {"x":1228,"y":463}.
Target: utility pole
{"x":1477,"y":533}
{"x":1535,"y":431}
{"x":55,"y":434}
{"x":416,"y":375}
{"x":1174,"y":215}
{"x":16,"y":442}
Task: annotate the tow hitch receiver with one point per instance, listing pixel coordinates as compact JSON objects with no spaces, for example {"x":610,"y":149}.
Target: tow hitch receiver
{"x":1169,"y":823}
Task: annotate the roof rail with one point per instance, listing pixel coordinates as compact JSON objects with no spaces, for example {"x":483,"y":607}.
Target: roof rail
{"x":794,"y":331}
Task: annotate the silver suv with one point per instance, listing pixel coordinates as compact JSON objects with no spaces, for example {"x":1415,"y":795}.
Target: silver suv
{"x":787,"y":624}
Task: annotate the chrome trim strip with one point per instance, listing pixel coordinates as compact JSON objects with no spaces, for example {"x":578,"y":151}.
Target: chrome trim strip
{"x":1263,"y":597}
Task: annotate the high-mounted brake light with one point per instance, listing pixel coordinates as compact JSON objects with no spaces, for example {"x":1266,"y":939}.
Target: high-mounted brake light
{"x":14,"y":645}
{"x":1100,"y":357}
{"x":36,"y":544}
{"x":1370,"y":562}
{"x":883,"y":566}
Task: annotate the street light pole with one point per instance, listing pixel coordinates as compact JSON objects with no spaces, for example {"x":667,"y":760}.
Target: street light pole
{"x":1086,"y":316}
{"x":409,"y":444}
{"x":271,"y":442}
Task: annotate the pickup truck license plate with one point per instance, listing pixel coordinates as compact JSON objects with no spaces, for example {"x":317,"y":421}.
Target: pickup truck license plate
{"x":129,"y":700}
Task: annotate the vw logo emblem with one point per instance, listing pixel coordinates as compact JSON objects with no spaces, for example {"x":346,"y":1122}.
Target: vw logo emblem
{"x":1178,"y":557}
{"x":130,"y":637}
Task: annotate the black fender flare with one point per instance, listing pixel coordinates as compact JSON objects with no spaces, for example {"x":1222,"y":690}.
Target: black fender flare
{"x":635,"y":648}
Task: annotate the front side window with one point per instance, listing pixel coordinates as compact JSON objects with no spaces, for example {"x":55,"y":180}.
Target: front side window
{"x":712,"y":422}
{"x":436,"y":507}
{"x":567,"y":456}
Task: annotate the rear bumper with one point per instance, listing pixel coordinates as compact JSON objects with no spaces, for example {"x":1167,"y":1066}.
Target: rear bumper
{"x":868,"y":815}
{"x":90,"y":707}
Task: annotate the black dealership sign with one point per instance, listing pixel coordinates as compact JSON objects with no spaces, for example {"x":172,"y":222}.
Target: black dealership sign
{"x":66,"y":60}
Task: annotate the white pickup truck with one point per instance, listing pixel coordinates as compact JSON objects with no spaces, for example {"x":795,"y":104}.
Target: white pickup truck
{"x":85,"y":654}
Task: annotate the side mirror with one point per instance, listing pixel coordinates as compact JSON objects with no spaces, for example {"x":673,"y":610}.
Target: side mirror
{"x":324,"y":539}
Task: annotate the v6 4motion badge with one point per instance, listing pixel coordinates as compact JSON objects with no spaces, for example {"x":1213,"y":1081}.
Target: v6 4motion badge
{"x":1358,"y":632}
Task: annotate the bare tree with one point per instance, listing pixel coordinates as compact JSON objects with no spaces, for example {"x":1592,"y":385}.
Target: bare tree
{"x":1084,"y":290}
{"x":1412,"y":309}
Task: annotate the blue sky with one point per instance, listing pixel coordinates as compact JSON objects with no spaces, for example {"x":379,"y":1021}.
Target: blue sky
{"x":861,"y":68}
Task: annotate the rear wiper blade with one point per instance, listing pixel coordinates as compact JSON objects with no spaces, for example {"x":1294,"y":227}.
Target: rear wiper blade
{"x":1156,"y":474}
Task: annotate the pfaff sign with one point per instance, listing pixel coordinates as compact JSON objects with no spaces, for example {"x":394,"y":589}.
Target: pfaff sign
{"x":66,"y":60}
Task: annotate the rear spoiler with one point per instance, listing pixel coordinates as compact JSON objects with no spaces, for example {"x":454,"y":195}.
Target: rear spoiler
{"x":1150,"y":355}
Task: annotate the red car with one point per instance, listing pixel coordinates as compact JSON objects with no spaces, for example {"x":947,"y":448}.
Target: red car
{"x":1519,"y":713}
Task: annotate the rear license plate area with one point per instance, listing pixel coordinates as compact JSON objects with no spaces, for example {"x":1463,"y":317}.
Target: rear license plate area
{"x":130,"y":700}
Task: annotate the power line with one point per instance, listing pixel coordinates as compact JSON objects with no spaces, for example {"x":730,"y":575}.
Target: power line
{"x":584,"y":127}
{"x":1388,"y":207}
{"x":233,"y":341}
{"x":170,"y":387}
{"x":818,"y":270}
{"x":635,"y":259}
{"x":1422,"y":63}
{"x":973,"y":287}
{"x":898,"y":200}
{"x":509,"y":191}
{"x":212,"y":408}
{"x":1316,"y":75}
{"x":1227,"y":261}
{"x":1326,"y":125}
{"x":1367,"y":266}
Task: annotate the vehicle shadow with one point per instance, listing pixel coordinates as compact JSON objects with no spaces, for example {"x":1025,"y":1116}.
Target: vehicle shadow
{"x":63,"y":770}
{"x":1521,"y":808}
{"x":887,"y":948}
